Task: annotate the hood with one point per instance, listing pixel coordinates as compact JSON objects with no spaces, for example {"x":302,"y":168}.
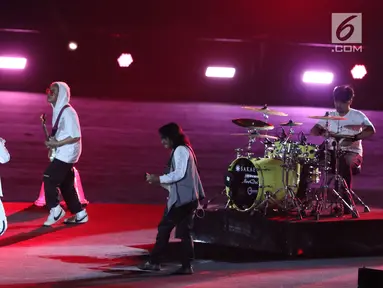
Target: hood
{"x":62,"y":100}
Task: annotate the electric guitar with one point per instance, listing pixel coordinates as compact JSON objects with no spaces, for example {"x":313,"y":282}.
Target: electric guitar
{"x":52,"y":151}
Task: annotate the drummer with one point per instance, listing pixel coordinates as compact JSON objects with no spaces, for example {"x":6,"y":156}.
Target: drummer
{"x":356,"y":125}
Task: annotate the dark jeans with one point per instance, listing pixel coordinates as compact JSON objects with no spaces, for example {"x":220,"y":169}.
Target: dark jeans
{"x":181,"y":218}
{"x":60,"y":175}
{"x":348,"y":162}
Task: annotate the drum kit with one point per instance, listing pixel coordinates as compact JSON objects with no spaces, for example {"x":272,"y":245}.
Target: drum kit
{"x":271,"y":183}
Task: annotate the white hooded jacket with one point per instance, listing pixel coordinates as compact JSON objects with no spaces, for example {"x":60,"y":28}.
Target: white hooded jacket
{"x":69,"y":126}
{"x":4,"y":158}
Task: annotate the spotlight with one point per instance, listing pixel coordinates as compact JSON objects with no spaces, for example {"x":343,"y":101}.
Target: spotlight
{"x":72,"y":46}
{"x":125,"y":60}
{"x":317,"y":77}
{"x":12,"y":62}
{"x":220,"y":72}
{"x":358,"y":72}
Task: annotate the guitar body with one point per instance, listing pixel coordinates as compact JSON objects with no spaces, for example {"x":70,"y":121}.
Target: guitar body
{"x":52,"y":154}
{"x":52,"y":151}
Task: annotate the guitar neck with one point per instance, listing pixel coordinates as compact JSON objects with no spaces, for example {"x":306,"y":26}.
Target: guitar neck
{"x":46,"y":132}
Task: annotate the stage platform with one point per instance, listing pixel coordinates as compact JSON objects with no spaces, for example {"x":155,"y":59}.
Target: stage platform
{"x":328,"y":237}
{"x":105,"y":251}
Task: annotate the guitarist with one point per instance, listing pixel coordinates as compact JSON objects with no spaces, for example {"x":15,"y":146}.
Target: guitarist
{"x":4,"y":158}
{"x":66,"y":140}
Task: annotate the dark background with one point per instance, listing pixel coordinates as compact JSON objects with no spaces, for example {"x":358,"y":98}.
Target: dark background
{"x":172,"y":43}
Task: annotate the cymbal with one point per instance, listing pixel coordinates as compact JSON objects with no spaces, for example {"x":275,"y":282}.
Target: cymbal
{"x":265,"y":110}
{"x":327,"y":117}
{"x":261,"y":136}
{"x":340,"y":136}
{"x":353,"y":127}
{"x":291,"y":123}
{"x":252,"y":123}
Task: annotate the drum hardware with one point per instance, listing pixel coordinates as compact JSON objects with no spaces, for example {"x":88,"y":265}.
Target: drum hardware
{"x":291,"y":123}
{"x":288,"y":162}
{"x":327,"y":118}
{"x":253,"y":124}
{"x":339,"y":180}
{"x":253,"y":135}
{"x":265,"y":111}
{"x":238,"y":152}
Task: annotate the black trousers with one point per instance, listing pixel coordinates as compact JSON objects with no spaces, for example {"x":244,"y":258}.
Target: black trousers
{"x":181,"y":218}
{"x":60,"y":175}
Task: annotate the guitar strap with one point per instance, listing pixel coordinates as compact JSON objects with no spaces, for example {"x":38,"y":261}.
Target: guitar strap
{"x":56,"y":126}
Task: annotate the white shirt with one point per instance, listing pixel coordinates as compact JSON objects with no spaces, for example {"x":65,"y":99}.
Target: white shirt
{"x":69,"y":126}
{"x":181,"y":158}
{"x":4,"y":154}
{"x":4,"y":158}
{"x":354,"y":117}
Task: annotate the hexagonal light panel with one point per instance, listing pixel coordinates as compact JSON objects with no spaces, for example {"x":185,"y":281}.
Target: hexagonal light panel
{"x":125,"y":60}
{"x":359,"y":71}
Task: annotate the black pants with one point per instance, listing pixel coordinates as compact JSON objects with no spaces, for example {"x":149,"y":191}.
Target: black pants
{"x":60,"y":175}
{"x":348,"y":162}
{"x":181,"y":218}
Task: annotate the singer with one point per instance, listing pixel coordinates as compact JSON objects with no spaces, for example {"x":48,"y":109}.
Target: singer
{"x":183,"y":182}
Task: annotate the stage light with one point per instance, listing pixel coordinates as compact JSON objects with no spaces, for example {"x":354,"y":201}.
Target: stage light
{"x":125,"y":60}
{"x":72,"y":46}
{"x":12,"y":62}
{"x":318,"y":77}
{"x":220,"y":72}
{"x":358,"y":72}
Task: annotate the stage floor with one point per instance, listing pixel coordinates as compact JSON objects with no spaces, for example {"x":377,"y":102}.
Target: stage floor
{"x":102,"y":252}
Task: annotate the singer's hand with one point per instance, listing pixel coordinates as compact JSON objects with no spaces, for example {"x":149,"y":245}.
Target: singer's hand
{"x":151,"y":178}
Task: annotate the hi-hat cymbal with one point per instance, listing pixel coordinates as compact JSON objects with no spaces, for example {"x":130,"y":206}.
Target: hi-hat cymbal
{"x":265,"y":110}
{"x":291,"y":123}
{"x":327,"y":117}
{"x":253,"y":123}
{"x":261,"y":136}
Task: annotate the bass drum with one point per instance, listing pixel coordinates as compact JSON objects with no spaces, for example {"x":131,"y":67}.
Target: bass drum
{"x":248,"y":180}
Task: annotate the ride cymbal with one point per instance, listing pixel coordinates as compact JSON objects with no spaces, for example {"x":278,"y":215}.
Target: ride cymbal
{"x":265,"y":110}
{"x":261,"y":136}
{"x":252,"y":123}
{"x":327,"y":117}
{"x":291,"y":123}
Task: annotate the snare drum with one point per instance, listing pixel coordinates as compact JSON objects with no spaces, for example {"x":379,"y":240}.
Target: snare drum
{"x":248,"y":180}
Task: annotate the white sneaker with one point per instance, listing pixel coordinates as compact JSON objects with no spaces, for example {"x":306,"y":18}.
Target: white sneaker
{"x":80,"y":218}
{"x":55,"y":215}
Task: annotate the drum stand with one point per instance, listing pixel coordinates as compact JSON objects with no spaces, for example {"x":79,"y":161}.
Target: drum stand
{"x":339,"y":183}
{"x":288,"y":188}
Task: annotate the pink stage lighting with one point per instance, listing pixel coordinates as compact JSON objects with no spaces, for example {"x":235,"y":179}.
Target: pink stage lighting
{"x":220,"y":72}
{"x":125,"y":60}
{"x":318,"y":77}
{"x":12,"y":62}
{"x":358,"y":72}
